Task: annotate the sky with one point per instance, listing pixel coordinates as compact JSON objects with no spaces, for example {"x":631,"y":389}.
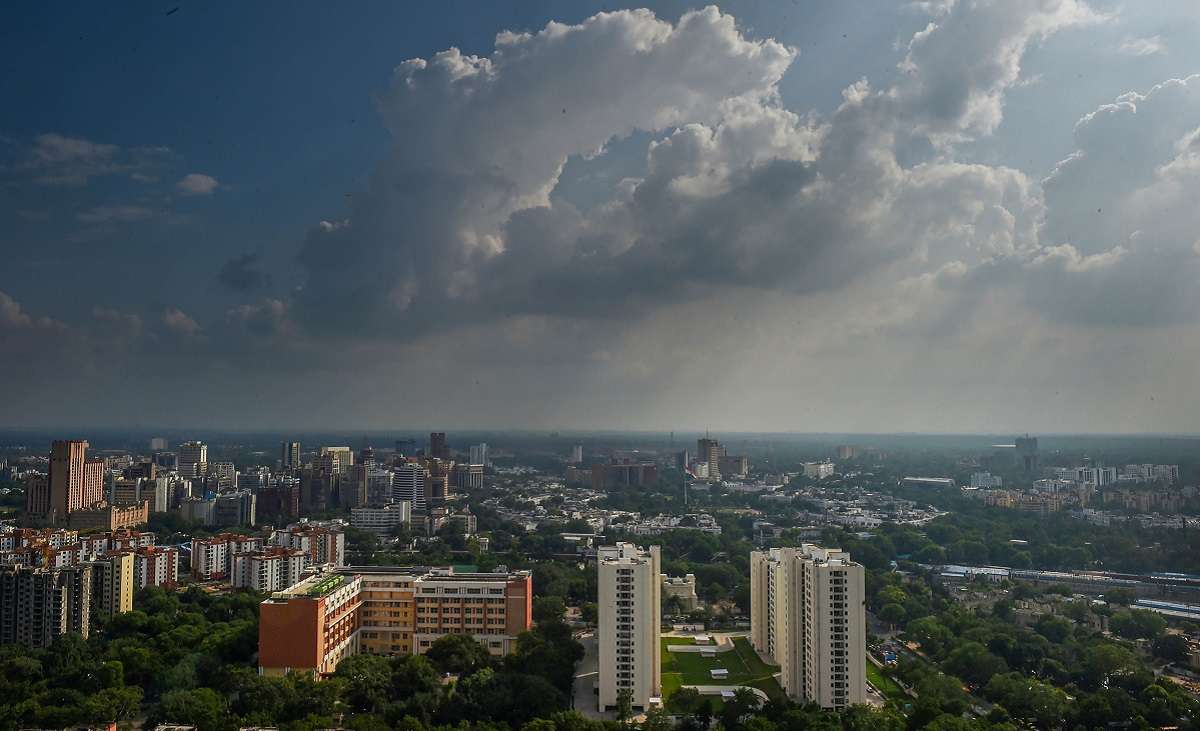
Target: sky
{"x":809,"y":216}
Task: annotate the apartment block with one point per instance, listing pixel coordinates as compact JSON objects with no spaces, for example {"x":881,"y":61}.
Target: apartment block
{"x":394,"y":610}
{"x":38,"y":604}
{"x":212,"y":558}
{"x":324,"y":544}
{"x":630,"y":619}
{"x":113,"y":585}
{"x":272,"y":569}
{"x":156,"y":566}
{"x":806,"y":613}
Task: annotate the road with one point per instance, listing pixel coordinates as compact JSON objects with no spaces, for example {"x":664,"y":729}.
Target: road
{"x":583,"y":698}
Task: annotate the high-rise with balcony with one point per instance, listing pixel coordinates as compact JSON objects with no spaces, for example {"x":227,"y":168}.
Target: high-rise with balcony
{"x":806,"y":613}
{"x":630,"y":617}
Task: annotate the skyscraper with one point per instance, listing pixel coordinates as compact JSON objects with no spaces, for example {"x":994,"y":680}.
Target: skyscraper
{"x":630,"y":617}
{"x":158,"y":444}
{"x":479,"y":454}
{"x":806,"y":613}
{"x":709,"y":451}
{"x":409,"y":483}
{"x":289,"y":454}
{"x":576,"y":454}
{"x":437,"y":445}
{"x":193,"y":459}
{"x":75,"y":482}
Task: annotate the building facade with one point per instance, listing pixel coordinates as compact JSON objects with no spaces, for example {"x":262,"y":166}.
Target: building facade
{"x":630,"y":619}
{"x":806,"y":613}
{"x":37,"y":604}
{"x":388,"y":610}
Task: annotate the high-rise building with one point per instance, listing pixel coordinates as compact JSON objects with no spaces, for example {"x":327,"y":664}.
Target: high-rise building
{"x":344,"y":455}
{"x":625,"y":473}
{"x":75,"y":482}
{"x":289,"y":455}
{"x":630,"y":618}
{"x":235,"y":509}
{"x":158,"y":444}
{"x":806,"y":613}
{"x":193,"y":459}
{"x":467,"y":476}
{"x":323,"y":544}
{"x":212,"y":558}
{"x":37,"y":604}
{"x":709,"y":451}
{"x":409,"y":483}
{"x":388,"y":610}
{"x":113,"y":584}
{"x":438,"y":449}
{"x":1027,"y":454}
{"x":156,"y":566}
{"x":479,"y":454}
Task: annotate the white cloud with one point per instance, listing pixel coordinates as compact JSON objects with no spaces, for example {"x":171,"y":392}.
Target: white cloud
{"x":197,"y":184}
{"x":178,"y":322}
{"x":1148,"y":46}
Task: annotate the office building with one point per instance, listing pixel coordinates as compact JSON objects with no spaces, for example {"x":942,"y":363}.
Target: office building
{"x":467,"y":476}
{"x":113,"y":583}
{"x":438,"y":449}
{"x":818,"y":470}
{"x":389,"y":610}
{"x":478,"y":454}
{"x":235,"y":509}
{"x":409,"y":484}
{"x":158,"y":444}
{"x":193,"y":459}
{"x":733,"y":465}
{"x":709,"y":451}
{"x":109,"y":517}
{"x":806,"y":613}
{"x":1027,"y":454}
{"x":274,"y":568}
{"x":846,"y":451}
{"x":623,"y":473}
{"x":280,"y":501}
{"x":38,"y":604}
{"x":289,"y":455}
{"x":344,"y":455}
{"x":576,"y":454}
{"x":74,"y":482}
{"x":382,"y":520}
{"x":630,"y":618}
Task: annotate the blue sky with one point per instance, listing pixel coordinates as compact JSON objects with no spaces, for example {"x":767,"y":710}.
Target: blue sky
{"x":276,"y":103}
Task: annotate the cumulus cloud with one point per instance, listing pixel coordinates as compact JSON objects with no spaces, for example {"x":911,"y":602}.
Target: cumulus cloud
{"x":243,"y":274}
{"x":197,"y":184}
{"x":178,"y":322}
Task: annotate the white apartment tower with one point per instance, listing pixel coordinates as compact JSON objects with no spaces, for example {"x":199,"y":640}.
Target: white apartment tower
{"x":806,"y":614}
{"x":630,"y":619}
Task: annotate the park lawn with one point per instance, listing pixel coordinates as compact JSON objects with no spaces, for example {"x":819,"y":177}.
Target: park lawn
{"x":886,"y":685}
{"x":743,"y":664}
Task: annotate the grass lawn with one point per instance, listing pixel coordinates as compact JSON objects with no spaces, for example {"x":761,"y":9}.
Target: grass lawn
{"x":886,"y":685}
{"x":743,"y":664}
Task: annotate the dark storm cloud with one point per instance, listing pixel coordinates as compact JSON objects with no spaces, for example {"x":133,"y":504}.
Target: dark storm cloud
{"x":243,"y":274}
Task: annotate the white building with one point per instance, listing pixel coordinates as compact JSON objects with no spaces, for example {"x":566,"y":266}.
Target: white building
{"x":576,"y":454}
{"x":272,"y":569}
{"x":806,"y":613}
{"x":986,"y":481}
{"x":479,"y":454}
{"x":818,"y":470}
{"x":382,"y":520}
{"x":408,"y":483}
{"x":630,"y":617}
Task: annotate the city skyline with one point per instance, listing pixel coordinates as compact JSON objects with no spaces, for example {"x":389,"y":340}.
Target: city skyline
{"x":807,"y":217}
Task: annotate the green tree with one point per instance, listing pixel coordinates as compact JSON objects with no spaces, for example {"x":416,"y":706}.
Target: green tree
{"x":459,"y":654}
